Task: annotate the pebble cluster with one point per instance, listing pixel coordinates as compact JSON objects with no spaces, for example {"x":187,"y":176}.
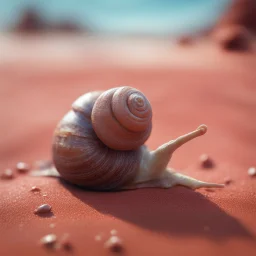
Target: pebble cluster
{"x":9,"y":173}
{"x":113,"y":242}
{"x":207,"y":162}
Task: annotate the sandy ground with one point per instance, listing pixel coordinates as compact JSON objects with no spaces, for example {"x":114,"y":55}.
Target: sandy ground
{"x":40,"y":78}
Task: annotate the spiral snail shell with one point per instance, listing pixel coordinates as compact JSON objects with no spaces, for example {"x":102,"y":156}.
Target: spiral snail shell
{"x":99,"y":144}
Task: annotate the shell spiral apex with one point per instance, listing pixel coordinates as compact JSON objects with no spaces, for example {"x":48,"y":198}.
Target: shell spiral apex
{"x":99,"y":144}
{"x":122,"y":118}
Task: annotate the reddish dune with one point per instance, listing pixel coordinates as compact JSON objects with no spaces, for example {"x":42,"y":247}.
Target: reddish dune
{"x":187,"y":87}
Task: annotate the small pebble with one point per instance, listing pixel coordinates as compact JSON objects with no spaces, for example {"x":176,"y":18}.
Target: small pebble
{"x":227,"y":180}
{"x":113,"y":232}
{"x":65,"y":242}
{"x":114,"y":244}
{"x":22,"y":167}
{"x":35,"y":189}
{"x":44,"y":208}
{"x":206,"y":161}
{"x":49,"y":240}
{"x":252,"y":171}
{"x":7,"y":174}
{"x":44,"y":195}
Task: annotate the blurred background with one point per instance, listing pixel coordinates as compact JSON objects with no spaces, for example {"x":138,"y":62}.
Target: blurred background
{"x":51,"y":52}
{"x":141,"y":30}
{"x":136,"y":17}
{"x":193,"y":59}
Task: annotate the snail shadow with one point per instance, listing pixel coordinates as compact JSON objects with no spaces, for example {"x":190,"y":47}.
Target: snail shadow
{"x":176,"y":211}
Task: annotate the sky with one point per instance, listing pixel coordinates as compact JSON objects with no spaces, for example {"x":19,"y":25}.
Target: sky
{"x":124,"y":16}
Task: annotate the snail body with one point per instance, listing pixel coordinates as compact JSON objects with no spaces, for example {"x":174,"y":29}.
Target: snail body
{"x":99,"y":144}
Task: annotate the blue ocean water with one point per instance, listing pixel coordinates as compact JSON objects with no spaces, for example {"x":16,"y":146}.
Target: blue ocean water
{"x":123,"y":16}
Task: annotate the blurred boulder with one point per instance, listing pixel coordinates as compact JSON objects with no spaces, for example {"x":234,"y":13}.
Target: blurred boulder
{"x":30,"y":21}
{"x":233,"y":38}
{"x":236,"y":28}
{"x":240,"y":12}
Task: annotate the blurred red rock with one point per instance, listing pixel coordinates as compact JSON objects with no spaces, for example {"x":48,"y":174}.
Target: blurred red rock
{"x":234,"y":30}
{"x":241,"y":12}
{"x":30,"y":21}
{"x":233,"y":38}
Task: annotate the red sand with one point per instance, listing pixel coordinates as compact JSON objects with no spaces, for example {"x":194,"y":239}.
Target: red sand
{"x":186,"y":87}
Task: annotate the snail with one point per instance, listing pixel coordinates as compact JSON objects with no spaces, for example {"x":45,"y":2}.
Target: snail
{"x":99,"y":144}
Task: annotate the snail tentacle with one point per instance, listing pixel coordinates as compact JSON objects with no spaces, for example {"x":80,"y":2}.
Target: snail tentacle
{"x":168,"y":148}
{"x":153,"y":167}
